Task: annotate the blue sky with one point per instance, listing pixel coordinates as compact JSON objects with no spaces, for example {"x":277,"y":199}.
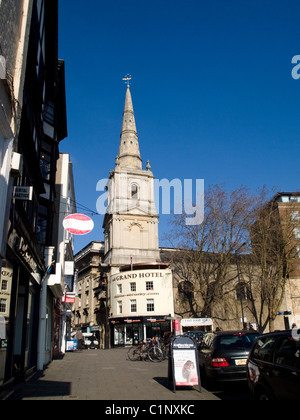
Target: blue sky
{"x":212,"y":91}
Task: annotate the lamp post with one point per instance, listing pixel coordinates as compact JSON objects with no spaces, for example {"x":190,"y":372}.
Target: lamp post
{"x":239,"y":282}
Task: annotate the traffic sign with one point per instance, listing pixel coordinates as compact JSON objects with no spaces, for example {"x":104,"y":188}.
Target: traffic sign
{"x":78,"y":224}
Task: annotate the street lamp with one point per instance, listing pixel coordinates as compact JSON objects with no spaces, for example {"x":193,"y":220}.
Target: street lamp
{"x":239,"y":282}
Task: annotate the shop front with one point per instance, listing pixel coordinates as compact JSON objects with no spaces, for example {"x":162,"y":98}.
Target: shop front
{"x":130,"y":331}
{"x":142,"y":304}
{"x":19,"y":309}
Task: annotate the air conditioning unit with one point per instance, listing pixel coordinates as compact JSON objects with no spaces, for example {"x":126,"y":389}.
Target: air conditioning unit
{"x":2,"y":67}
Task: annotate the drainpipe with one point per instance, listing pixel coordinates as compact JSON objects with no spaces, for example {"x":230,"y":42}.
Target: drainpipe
{"x":49,"y":253}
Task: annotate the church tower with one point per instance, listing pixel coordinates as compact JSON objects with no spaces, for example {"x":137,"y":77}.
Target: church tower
{"x":131,"y":221}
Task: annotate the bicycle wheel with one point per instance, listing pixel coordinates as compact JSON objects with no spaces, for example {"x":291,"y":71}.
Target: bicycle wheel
{"x":133,"y":354}
{"x":155,"y":354}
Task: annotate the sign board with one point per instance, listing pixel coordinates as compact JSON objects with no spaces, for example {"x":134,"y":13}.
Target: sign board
{"x":69,"y":268}
{"x":72,"y":345}
{"x":70,"y":299}
{"x":23,"y":193}
{"x":196,"y":322}
{"x":78,"y":224}
{"x":183,"y":363}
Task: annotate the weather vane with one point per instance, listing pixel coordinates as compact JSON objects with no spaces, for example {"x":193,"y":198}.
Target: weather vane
{"x":127,"y":79}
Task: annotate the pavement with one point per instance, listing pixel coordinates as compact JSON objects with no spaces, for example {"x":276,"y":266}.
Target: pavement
{"x":106,"y":375}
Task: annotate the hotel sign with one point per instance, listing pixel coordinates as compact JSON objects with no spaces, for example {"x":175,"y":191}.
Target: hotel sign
{"x":140,"y":275}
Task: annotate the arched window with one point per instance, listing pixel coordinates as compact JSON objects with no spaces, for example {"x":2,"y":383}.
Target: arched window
{"x":134,"y":191}
{"x":186,"y":290}
{"x":243,"y":292}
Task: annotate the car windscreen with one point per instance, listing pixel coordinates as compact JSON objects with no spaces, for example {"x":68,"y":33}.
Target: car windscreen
{"x":236,"y":341}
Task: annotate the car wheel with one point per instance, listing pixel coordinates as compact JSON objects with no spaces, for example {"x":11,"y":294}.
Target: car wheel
{"x":263,"y":395}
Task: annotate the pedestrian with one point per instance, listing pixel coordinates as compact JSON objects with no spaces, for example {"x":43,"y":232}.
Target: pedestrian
{"x":79,"y":338}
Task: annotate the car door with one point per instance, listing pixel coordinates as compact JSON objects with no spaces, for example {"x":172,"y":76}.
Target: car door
{"x":205,"y":350}
{"x":285,"y":375}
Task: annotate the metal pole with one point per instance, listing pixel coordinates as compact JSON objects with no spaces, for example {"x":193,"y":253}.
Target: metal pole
{"x":239,"y":281}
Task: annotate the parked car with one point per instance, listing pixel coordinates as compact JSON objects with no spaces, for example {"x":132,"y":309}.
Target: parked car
{"x":223,"y":355}
{"x":274,"y":367}
{"x":90,"y":341}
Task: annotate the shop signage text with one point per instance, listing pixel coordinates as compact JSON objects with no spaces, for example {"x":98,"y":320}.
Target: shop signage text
{"x":132,"y":276}
{"x":23,"y":193}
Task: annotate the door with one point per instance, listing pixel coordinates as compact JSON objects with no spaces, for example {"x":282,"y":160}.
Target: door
{"x":285,"y":376}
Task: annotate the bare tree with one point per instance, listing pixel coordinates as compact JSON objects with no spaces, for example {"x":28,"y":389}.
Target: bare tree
{"x":207,"y":263}
{"x":242,"y":236}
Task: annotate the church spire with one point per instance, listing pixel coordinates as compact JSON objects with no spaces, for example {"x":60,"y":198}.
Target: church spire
{"x":129,"y":151}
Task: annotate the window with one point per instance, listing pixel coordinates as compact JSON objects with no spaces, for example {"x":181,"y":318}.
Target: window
{"x":295,"y":216}
{"x":119,"y":288}
{"x":235,"y":341}
{"x":288,"y":353}
{"x":134,"y":192}
{"x":150,"y":305}
{"x":243,"y":292}
{"x":133,"y":307}
{"x":45,"y":166}
{"x":49,"y":114}
{"x":4,"y":285}
{"x":186,"y":290}
{"x":263,"y":348}
{"x":133,"y":287}
{"x":120,"y":307}
{"x":41,"y":229}
{"x":149,"y":285}
{"x":297,"y":232}
{"x":3,"y":306}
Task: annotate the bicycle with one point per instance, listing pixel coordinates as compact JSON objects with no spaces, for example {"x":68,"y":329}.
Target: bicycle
{"x":138,"y":353}
{"x":155,"y":352}
{"x":146,"y":350}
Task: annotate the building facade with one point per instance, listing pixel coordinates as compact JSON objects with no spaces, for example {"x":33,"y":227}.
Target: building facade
{"x":65,"y":205}
{"x":90,"y":308}
{"x":288,"y":204}
{"x":14,"y":38}
{"x":31,"y":278}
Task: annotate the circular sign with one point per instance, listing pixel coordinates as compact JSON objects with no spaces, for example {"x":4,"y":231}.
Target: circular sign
{"x":78,"y":224}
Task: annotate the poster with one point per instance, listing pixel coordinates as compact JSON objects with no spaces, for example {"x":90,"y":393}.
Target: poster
{"x":185,"y":368}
